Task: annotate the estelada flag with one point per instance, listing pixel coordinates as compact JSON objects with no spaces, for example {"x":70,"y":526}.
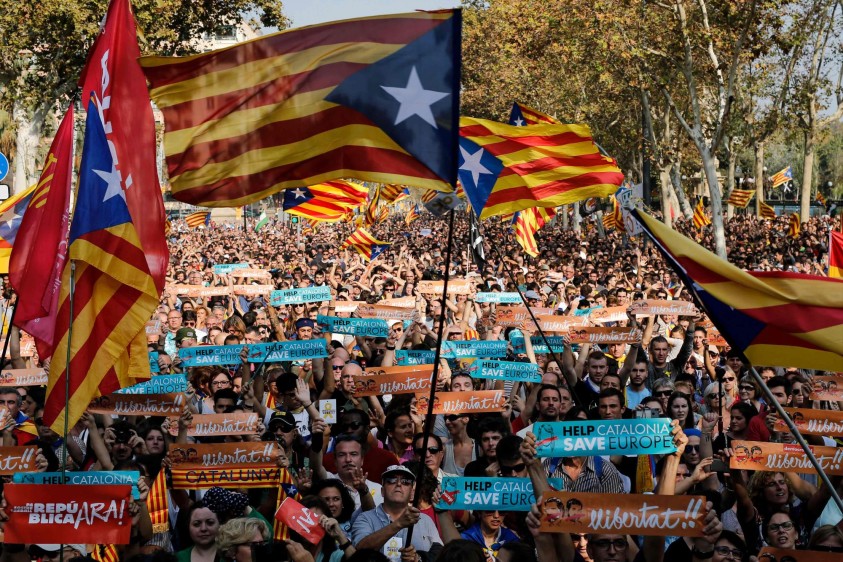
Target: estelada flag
{"x":740,"y":197}
{"x":700,"y":217}
{"x":522,"y":115}
{"x":772,"y":318}
{"x":835,"y":254}
{"x":504,"y":168}
{"x":365,"y":244}
{"x":197,"y":219}
{"x":767,"y":212}
{"x":374,"y":98}
{"x":40,"y":248}
{"x":793,"y":225}
{"x":327,"y":202}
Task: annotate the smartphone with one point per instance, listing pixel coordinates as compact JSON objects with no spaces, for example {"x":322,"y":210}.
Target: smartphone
{"x":718,"y":466}
{"x":648,"y":413}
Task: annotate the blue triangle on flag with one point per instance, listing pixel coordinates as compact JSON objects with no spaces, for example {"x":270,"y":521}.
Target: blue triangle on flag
{"x":478,"y":170}
{"x":295,"y":197}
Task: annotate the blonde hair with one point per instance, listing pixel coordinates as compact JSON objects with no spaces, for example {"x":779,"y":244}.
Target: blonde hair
{"x":238,"y":531}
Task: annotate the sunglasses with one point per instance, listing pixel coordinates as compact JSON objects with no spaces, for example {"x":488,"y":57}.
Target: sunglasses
{"x":746,"y":387}
{"x":507,"y":470}
{"x":664,"y":393}
{"x":337,"y":367}
{"x":728,"y":379}
{"x":432,"y":450}
{"x":716,"y":395}
{"x":694,"y":448}
{"x":393,"y":480}
{"x":604,"y":544}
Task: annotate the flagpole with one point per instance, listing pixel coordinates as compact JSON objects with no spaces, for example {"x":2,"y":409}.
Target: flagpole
{"x":429,"y":418}
{"x":793,"y":430}
{"x":67,"y":366}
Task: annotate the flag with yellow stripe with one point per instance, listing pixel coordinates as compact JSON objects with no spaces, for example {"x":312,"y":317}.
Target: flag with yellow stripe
{"x":794,"y":226}
{"x":527,"y":223}
{"x":700,"y":216}
{"x":767,"y":212}
{"x":158,"y":505}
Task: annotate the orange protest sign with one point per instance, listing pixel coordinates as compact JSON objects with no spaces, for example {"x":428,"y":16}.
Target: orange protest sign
{"x":602,"y":335}
{"x":611,"y":314}
{"x":401,"y":369}
{"x":455,"y":287}
{"x":251,"y":273}
{"x":827,"y":388}
{"x":770,"y":554}
{"x":813,"y":422}
{"x":636,"y":514}
{"x":561,"y":324}
{"x":215,"y":425}
{"x":463,"y":402}
{"x":715,"y":338}
{"x":402,"y":302}
{"x":17,"y":459}
{"x":514,"y":316}
{"x":784,"y":457}
{"x":365,"y":310}
{"x":228,"y":465}
{"x":252,"y":290}
{"x":23,"y":377}
{"x":662,"y":308}
{"x":139,"y":404}
{"x":406,"y":382}
{"x":68,"y":514}
{"x":198,"y":291}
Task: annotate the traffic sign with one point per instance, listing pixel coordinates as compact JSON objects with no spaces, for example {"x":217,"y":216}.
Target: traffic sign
{"x":4,"y":166}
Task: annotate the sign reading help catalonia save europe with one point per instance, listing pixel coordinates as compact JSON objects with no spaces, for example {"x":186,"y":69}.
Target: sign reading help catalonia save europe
{"x":505,"y":370}
{"x":275,"y":352}
{"x":415,"y":357}
{"x":371,"y":327}
{"x":466,"y":349}
{"x":301,"y":295}
{"x":503,"y":494}
{"x":604,"y":437}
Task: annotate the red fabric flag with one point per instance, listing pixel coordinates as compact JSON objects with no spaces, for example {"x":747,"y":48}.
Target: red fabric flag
{"x":40,"y":249}
{"x":113,"y":73}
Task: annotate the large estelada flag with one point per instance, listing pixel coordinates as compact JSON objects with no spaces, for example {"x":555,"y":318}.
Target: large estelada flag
{"x":326,"y":202}
{"x":362,"y":241}
{"x":835,"y":254}
{"x":773,"y":318}
{"x":506,"y":168}
{"x":374,"y":98}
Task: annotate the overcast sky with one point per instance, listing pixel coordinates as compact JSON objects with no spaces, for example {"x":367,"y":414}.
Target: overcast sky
{"x":306,"y":12}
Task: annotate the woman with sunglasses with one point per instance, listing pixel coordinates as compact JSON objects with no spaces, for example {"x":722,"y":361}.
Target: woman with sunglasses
{"x":730,"y":385}
{"x":750,"y":393}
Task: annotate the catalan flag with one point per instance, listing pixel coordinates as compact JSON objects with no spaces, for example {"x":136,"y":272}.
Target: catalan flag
{"x":773,"y":318}
{"x":374,"y":98}
{"x":700,"y":217}
{"x":835,"y":254}
{"x":527,"y":223}
{"x":105,"y":553}
{"x":197,"y":219}
{"x":504,"y":168}
{"x":168,"y":228}
{"x":365,"y":244}
{"x":521,"y":115}
{"x":820,"y":198}
{"x":115,"y":294}
{"x":793,"y":225}
{"x":40,"y":246}
{"x":391,"y":192}
{"x":614,"y":218}
{"x":767,"y":212}
{"x":405,"y":193}
{"x":412,"y":215}
{"x":383,"y":213}
{"x":782,"y":176}
{"x":157,"y":503}
{"x":740,"y":198}
{"x":326,"y":202}
{"x":11,"y":214}
{"x":371,"y":208}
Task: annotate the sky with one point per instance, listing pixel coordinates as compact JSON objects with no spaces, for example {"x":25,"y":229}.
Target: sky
{"x":306,"y":12}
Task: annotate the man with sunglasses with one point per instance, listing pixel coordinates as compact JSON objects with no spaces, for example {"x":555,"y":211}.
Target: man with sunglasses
{"x":375,"y":529}
{"x":432,"y":454}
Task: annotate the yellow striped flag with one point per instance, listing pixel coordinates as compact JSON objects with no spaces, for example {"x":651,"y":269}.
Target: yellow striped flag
{"x":772,"y":318}
{"x":527,"y":223}
{"x":383,"y":213}
{"x":504,"y":168}
{"x":820,"y":198}
{"x":794,"y":225}
{"x":522,"y":115}
{"x":365,"y":244}
{"x":158,"y":505}
{"x":168,"y":228}
{"x":197,"y":219}
{"x":412,"y":215}
{"x":767,"y":212}
{"x":105,"y":553}
{"x":374,"y":98}
{"x":11,"y":215}
{"x":835,"y":254}
{"x":326,"y":202}
{"x":700,"y":217}
{"x":286,"y":488}
{"x":740,"y":198}
{"x":614,"y":218}
{"x":390,"y":192}
{"x":371,"y":216}
{"x":782,"y":176}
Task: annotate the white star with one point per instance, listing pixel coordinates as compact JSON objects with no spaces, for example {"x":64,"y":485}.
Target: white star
{"x":114,"y":181}
{"x":9,"y":217}
{"x":472,"y":164}
{"x":298,"y":193}
{"x":415,"y":100}
{"x":519,"y":122}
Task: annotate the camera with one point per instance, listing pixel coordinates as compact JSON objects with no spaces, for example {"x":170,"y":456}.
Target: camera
{"x":122,"y":435}
{"x":647,"y":413}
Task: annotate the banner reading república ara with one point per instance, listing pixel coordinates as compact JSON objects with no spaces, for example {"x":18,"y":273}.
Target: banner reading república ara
{"x":505,"y":370}
{"x":503,"y":494}
{"x":301,"y":295}
{"x":367,"y":327}
{"x":275,"y":352}
{"x":604,"y":437}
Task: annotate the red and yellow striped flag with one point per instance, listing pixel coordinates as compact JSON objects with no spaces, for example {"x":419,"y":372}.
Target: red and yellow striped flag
{"x":794,"y":226}
{"x":767,"y":212}
{"x":280,"y":531}
{"x":835,"y":254}
{"x":326,"y":202}
{"x":105,"y":553}
{"x":740,"y":198}
{"x":527,"y":223}
{"x":197,"y":219}
{"x":700,"y":217}
{"x":412,"y":215}
{"x":158,"y":505}
{"x":390,"y":192}
{"x":371,"y":216}
{"x":365,"y":244}
{"x":614,"y":218}
{"x":782,"y":176}
{"x":522,"y":115}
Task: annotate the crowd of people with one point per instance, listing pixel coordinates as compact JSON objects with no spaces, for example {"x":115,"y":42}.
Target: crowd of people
{"x":373,"y":475}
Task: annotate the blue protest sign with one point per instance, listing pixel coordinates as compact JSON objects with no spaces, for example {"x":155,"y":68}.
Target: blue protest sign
{"x":604,"y":437}
{"x":301,"y":295}
{"x":153,"y":362}
{"x":90,"y":478}
{"x":466,"y":349}
{"x":372,"y":327}
{"x":275,"y":352}
{"x":505,"y":370}
{"x":557,"y":342}
{"x":499,"y":298}
{"x":415,"y":357}
{"x":503,"y":494}
{"x":226,"y":268}
{"x":161,"y":384}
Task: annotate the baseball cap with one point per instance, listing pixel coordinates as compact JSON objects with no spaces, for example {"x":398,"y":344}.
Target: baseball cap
{"x":304,"y":323}
{"x":283,"y":419}
{"x":532,"y":295}
{"x":185,"y":333}
{"x":396,"y":469}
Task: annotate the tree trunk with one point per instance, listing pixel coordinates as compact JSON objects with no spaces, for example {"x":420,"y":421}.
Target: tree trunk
{"x":715,"y":201}
{"x":664,"y":184}
{"x":730,"y":176}
{"x":807,"y":174}
{"x":759,"y":176}
{"x":29,"y":125}
{"x":565,"y":210}
{"x":577,"y":218}
{"x":679,"y":191}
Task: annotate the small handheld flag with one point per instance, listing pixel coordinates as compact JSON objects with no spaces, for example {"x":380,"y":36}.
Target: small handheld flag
{"x":782,"y":176}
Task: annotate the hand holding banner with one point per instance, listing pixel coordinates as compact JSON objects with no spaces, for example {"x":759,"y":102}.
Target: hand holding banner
{"x":407,"y":382}
{"x":302,"y":295}
{"x":784,"y":457}
{"x":463,"y":402}
{"x":139,"y":404}
{"x":662,"y":308}
{"x":229,"y":465}
{"x":604,"y":437}
{"x":505,"y":370}
{"x":216,"y":425}
{"x":368,"y":327}
{"x":23,"y":377}
{"x":301,"y":520}
{"x":598,"y":336}
{"x":813,"y":422}
{"x":17,"y":459}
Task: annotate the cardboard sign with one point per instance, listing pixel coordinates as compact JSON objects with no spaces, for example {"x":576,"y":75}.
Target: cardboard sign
{"x":636,"y":514}
{"x":250,"y":273}
{"x":346,"y":306}
{"x":600,"y":336}
{"x":198,"y":291}
{"x":503,"y":494}
{"x":17,"y":459}
{"x":603,"y":437}
{"x":215,"y":425}
{"x":610,"y":314}
{"x":557,"y":342}
{"x":715,"y":338}
{"x":408,"y":382}
{"x":139,"y":404}
{"x":463,"y":402}
{"x":498,"y":298}
{"x":514,"y":316}
{"x":561,"y":324}
{"x":369,"y":327}
{"x":401,"y":302}
{"x":662,"y":308}
{"x":385,"y":312}
{"x":813,"y":422}
{"x":87,"y":478}
{"x":770,"y":554}
{"x":252,"y":290}
{"x":301,"y":520}
{"x":301,"y":295}
{"x":784,"y":457}
{"x":228,"y":465}
{"x":274,"y":352}
{"x":455,"y":287}
{"x":67,"y":514}
{"x":505,"y":370}
{"x":153,"y":328}
{"x":161,"y":384}
{"x":468,"y":349}
{"x":226,"y":268}
{"x":827,"y":388}
{"x":328,"y":411}
{"x":415,"y":357}
{"x":23,"y":377}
